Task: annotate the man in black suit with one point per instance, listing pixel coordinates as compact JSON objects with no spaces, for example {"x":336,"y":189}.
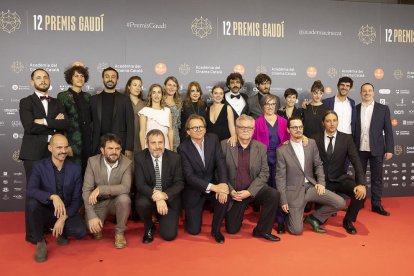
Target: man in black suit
{"x":112,"y":113}
{"x":54,"y":196}
{"x":237,"y":100}
{"x":159,"y":182}
{"x":41,"y":117}
{"x":205,"y":177}
{"x":374,"y":140}
{"x":335,"y":148}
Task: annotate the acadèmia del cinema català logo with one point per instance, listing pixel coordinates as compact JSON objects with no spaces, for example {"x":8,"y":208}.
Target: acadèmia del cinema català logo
{"x":9,"y":21}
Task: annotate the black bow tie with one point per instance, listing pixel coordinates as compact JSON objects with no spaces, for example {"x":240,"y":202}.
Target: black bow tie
{"x":47,"y":98}
{"x":235,"y":96}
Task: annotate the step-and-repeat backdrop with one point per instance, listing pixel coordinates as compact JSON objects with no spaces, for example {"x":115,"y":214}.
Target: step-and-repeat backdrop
{"x":294,"y":42}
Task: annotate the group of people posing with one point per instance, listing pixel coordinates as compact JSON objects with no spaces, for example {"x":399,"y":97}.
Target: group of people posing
{"x":115,"y":153}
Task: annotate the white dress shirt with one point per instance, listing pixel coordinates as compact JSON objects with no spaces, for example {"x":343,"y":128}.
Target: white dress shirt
{"x":236,"y":104}
{"x":326,"y":138}
{"x":344,"y":111}
{"x":109,"y":168}
{"x":366,"y":116}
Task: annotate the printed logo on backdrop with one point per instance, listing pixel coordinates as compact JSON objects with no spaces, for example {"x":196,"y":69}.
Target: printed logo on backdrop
{"x":367,"y":34}
{"x":332,"y":72}
{"x":398,"y":74}
{"x":17,"y":67}
{"x":15,"y":156}
{"x":379,"y":73}
{"x":9,"y":21}
{"x":261,"y":69}
{"x":184,"y":69}
{"x":311,"y":72}
{"x":201,"y":27}
{"x":398,"y":149}
{"x":101,"y":66}
{"x":160,"y":68}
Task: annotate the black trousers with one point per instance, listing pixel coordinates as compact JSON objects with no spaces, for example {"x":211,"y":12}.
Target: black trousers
{"x":346,"y":186}
{"x":41,"y":216}
{"x":168,"y":223}
{"x":375,"y":165}
{"x":267,"y":198}
{"x":28,"y":165}
{"x":193,"y":204}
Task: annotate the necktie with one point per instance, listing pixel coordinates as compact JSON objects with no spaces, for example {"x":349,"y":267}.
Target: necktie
{"x":158,"y":185}
{"x":235,"y":96}
{"x":330,"y":147}
{"x":47,"y":98}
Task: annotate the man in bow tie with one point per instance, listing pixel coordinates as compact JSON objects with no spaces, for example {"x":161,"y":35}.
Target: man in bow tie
{"x":41,"y":117}
{"x":237,"y":100}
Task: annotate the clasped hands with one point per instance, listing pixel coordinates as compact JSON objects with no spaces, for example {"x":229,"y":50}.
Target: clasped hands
{"x":221,"y":190}
{"x":160,"y":200}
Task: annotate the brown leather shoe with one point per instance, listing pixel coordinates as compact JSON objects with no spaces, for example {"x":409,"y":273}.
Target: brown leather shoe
{"x":98,"y":236}
{"x":120,"y":241}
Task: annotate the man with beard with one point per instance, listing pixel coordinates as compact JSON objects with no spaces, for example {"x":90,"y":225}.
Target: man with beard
{"x":41,"y":117}
{"x":159,"y":182}
{"x":343,"y":106}
{"x":54,"y":197}
{"x":263,"y":83}
{"x":106,"y":188}
{"x":237,"y":100}
{"x":112,"y":113}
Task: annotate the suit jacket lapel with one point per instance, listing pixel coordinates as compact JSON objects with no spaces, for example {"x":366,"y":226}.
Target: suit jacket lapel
{"x":99,"y":106}
{"x":295,"y":158}
{"x":104,"y":172}
{"x":116,"y":98}
{"x":151,"y":169}
{"x":38,"y":103}
{"x":235,"y":155}
{"x":164,"y":170}
{"x":254,"y":153}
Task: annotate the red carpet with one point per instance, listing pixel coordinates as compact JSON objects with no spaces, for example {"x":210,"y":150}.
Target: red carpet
{"x":383,"y":246}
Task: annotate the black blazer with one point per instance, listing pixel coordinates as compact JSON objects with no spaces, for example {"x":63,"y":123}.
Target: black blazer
{"x":122,"y":121}
{"x":34,"y":144}
{"x":334,"y":167}
{"x":42,"y":184}
{"x":171,"y":174}
{"x":380,"y":122}
{"x":196,"y":175}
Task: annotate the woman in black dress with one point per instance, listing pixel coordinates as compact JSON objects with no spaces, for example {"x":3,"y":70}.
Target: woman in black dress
{"x":193,"y":104}
{"x":220,"y":118}
{"x":289,"y":109}
{"x":314,"y":112}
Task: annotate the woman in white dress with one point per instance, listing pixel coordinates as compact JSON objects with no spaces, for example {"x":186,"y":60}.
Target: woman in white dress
{"x":156,"y":116}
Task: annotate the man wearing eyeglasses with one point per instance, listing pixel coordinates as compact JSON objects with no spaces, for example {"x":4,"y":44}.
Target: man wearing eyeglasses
{"x":300,"y":179}
{"x":205,"y":177}
{"x":248,"y":174}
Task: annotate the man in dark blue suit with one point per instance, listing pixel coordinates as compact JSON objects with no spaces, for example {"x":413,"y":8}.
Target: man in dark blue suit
{"x":374,"y":140}
{"x":54,"y":195}
{"x":343,"y":106}
{"x":205,"y":177}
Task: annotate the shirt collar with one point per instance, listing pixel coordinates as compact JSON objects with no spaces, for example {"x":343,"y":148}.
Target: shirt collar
{"x":338,"y":100}
{"x":334,"y":135}
{"x":296,"y":143}
{"x":370,"y":104}
{"x":39,"y":94}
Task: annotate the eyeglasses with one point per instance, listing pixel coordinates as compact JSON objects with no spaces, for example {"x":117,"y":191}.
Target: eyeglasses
{"x":270,"y":104}
{"x":296,"y":127}
{"x":197,"y":128}
{"x":245,"y":128}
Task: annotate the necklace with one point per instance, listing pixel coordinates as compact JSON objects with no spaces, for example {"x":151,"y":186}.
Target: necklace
{"x":314,"y":111}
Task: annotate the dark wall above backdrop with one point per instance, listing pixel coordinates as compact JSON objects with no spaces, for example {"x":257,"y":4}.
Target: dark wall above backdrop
{"x":295,"y":42}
